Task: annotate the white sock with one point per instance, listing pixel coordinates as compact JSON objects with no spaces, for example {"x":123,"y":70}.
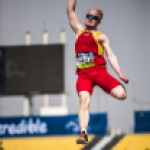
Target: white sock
{"x":84,"y":130}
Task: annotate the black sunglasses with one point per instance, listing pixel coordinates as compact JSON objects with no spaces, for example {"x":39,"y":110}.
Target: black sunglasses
{"x":92,"y":17}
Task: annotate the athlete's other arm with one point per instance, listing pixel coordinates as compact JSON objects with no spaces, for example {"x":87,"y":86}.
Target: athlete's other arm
{"x":111,"y":57}
{"x":72,"y":17}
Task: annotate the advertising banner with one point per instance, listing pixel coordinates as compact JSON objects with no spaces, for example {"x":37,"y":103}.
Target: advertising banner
{"x":50,"y":125}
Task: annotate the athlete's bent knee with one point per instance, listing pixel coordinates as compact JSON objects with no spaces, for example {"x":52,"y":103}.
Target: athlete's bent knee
{"x":122,"y":95}
{"x":119,"y":93}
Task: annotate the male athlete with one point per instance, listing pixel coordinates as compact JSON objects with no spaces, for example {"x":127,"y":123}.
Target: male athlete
{"x":90,"y":46}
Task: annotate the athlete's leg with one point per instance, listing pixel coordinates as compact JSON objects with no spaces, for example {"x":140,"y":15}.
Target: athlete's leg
{"x":111,"y":85}
{"x":84,"y":109}
{"x":84,"y":89}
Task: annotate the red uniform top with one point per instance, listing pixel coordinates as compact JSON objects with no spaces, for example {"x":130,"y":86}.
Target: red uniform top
{"x":89,"y":52}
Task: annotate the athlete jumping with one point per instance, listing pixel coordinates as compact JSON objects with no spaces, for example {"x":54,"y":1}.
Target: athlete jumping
{"x":90,"y":47}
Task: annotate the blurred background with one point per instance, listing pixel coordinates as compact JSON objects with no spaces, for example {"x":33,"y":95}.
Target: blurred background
{"x":37,"y":71}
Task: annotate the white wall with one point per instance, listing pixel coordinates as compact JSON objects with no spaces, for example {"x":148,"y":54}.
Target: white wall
{"x":126,"y":23}
{"x":0,"y":17}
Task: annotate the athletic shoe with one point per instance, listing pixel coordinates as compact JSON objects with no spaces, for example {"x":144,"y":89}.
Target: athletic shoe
{"x":82,"y":138}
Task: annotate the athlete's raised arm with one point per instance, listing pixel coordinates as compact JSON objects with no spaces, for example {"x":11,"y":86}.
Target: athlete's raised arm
{"x":112,"y":57}
{"x":73,"y":18}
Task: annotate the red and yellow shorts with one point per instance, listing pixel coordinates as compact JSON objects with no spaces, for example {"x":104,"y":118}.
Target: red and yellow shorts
{"x":101,"y":78}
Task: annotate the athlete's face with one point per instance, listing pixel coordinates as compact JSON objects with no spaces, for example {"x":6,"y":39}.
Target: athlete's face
{"x":92,"y":19}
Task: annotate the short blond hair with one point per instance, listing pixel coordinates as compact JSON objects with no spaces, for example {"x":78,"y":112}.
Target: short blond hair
{"x":100,"y":12}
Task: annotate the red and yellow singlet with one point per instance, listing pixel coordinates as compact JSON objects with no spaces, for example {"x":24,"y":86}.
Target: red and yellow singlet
{"x":89,"y":52}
